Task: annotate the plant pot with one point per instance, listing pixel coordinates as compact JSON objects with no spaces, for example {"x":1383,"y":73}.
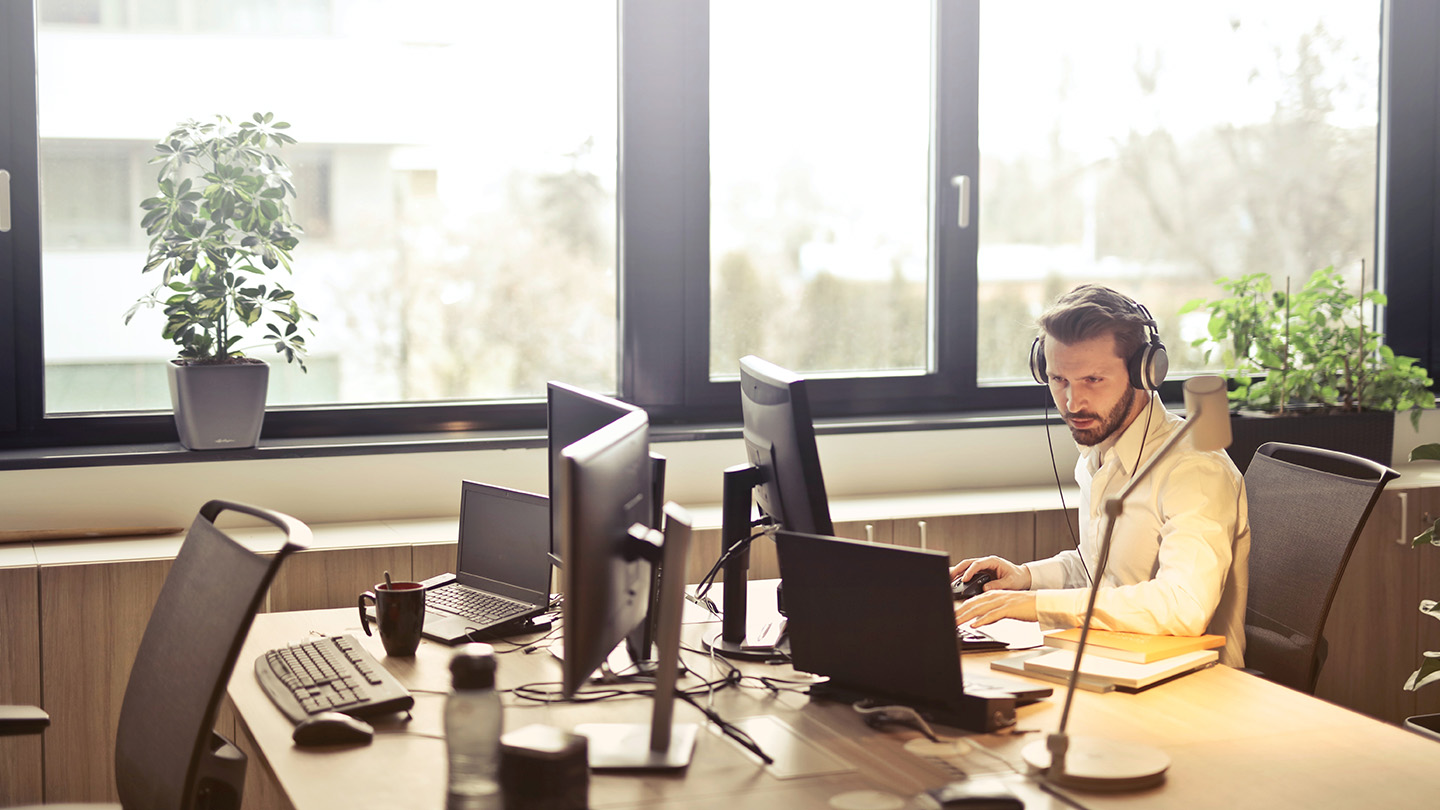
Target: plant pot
{"x":1367,"y":434}
{"x":1426,"y":725}
{"x":219,"y":406}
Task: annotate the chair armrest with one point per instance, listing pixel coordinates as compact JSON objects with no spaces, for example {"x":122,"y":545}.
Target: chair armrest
{"x":22,"y":720}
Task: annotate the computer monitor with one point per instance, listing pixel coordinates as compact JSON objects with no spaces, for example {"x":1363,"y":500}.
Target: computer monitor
{"x":608,"y":548}
{"x":780,"y":442}
{"x":572,"y":414}
{"x":782,"y":477}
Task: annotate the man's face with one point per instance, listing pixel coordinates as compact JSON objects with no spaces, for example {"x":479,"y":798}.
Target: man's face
{"x":1091,"y":387}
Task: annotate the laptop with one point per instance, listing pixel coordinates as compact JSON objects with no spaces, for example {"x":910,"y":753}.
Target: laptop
{"x":502,"y":577}
{"x":879,"y":621}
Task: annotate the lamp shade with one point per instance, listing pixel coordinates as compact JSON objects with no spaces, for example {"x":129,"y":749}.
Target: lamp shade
{"x":1207,"y":405}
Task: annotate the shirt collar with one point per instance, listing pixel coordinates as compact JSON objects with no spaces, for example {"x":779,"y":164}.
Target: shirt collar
{"x":1124,"y":448}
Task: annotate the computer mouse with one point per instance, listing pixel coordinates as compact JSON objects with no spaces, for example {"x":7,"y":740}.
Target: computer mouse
{"x":332,"y":728}
{"x":975,"y":587}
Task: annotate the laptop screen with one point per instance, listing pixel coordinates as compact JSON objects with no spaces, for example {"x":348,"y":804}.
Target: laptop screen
{"x":504,"y":542}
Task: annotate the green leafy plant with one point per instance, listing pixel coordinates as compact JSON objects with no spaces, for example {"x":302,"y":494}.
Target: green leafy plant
{"x":219,"y":225}
{"x":1312,"y":348}
{"x":1429,"y":671}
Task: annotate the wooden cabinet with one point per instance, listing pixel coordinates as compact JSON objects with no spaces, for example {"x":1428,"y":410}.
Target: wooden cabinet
{"x":20,"y":757}
{"x":1375,"y":630}
{"x":94,"y":617}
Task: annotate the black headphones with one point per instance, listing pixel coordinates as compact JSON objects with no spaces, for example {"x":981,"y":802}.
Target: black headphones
{"x":1147,"y":366}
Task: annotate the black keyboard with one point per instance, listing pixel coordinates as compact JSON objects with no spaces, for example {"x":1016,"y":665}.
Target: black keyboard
{"x":477,"y":606}
{"x":331,"y":674}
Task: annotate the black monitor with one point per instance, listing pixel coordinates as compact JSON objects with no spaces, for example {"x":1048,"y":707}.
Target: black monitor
{"x":782,"y":477}
{"x":780,"y":442}
{"x":608,"y":547}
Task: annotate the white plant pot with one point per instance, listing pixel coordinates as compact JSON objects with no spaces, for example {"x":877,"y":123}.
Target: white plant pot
{"x":218,"y":407}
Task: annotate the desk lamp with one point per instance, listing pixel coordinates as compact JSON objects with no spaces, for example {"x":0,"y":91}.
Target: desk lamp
{"x":1095,"y":763}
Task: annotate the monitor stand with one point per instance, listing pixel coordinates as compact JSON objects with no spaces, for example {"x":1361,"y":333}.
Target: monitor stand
{"x":662,"y":744}
{"x":735,"y":510}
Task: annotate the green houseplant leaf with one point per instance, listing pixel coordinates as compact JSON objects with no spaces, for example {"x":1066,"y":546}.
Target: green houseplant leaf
{"x":1312,"y":347}
{"x":222,"y":213}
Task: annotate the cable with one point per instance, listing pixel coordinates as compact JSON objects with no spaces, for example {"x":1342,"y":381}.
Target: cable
{"x":703,"y":588}
{"x":1064,"y":510}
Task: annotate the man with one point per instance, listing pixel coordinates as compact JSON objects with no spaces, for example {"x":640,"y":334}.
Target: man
{"x":1180,"y":552}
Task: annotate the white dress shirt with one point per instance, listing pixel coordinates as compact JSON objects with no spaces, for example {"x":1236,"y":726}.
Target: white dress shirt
{"x":1179,"y":558}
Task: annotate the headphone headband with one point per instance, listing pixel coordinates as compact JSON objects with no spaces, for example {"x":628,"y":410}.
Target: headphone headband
{"x":1147,"y":366}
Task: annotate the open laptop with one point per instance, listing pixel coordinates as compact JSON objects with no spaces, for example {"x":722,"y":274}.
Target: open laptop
{"x":502,"y":576}
{"x":879,"y":621}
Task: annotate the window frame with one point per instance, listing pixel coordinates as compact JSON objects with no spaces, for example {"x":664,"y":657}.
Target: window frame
{"x":662,"y":351}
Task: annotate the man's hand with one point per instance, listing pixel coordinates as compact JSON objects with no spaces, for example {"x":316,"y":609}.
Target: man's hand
{"x":993,"y":606}
{"x":1008,"y":575}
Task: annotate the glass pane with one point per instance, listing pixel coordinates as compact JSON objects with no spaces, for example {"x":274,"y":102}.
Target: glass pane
{"x":456,"y":174}
{"x":1157,"y":147}
{"x":819,"y":184}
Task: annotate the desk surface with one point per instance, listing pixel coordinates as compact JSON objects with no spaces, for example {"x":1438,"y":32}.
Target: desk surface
{"x":1235,"y":741}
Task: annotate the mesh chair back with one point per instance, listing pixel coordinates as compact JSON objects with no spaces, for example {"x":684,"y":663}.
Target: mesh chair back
{"x":1307,"y":507}
{"x":163,"y":746}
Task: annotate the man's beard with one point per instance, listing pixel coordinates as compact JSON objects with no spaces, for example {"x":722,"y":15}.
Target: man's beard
{"x":1108,"y":425}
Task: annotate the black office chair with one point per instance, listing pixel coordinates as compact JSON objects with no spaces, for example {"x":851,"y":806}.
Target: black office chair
{"x":1307,"y":507}
{"x":167,"y":753}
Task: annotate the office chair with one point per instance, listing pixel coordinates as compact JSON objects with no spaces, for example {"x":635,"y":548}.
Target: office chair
{"x":167,"y":754}
{"x":1307,"y":507}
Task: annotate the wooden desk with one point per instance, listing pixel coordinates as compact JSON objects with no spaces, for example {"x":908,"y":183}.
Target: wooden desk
{"x":1235,"y":741}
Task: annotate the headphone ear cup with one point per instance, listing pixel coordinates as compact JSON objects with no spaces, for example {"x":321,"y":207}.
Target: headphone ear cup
{"x":1037,"y":361}
{"x":1149,"y":365}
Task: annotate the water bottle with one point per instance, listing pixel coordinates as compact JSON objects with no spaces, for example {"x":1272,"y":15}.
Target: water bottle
{"x":472,"y":730}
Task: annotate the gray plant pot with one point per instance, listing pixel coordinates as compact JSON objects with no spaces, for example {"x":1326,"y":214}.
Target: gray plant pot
{"x":1426,"y":725}
{"x":219,"y":407}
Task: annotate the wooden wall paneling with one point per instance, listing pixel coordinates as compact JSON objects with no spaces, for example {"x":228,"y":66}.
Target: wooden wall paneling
{"x":1055,"y":531}
{"x":1373,"y":621}
{"x":21,"y":774}
{"x":334,"y":577}
{"x":1010,"y":535}
{"x":704,"y":551}
{"x":432,"y":559}
{"x":93,"y":617}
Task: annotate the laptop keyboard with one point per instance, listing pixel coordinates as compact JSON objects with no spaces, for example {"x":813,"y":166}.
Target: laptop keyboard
{"x":474,"y":605}
{"x":972,"y":640}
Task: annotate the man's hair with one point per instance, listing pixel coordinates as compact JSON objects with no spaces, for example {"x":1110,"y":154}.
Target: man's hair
{"x":1089,"y":311}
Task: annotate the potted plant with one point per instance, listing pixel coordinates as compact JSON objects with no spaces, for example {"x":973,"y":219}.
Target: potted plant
{"x":219,"y":225}
{"x":1307,"y":353}
{"x":1429,"y":669}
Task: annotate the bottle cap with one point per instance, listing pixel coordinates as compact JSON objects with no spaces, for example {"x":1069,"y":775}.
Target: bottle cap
{"x":473,"y":667}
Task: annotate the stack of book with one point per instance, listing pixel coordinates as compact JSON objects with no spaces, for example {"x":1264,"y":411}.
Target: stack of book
{"x":1115,"y":660}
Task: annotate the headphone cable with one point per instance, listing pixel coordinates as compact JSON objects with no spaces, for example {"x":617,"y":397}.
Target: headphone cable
{"x":1064,"y":510}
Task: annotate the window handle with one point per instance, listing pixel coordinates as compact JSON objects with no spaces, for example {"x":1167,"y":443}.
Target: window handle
{"x":962,"y":182}
{"x":4,"y":201}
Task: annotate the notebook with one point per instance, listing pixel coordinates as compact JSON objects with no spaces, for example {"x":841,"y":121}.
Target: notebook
{"x":879,"y":620}
{"x":502,"y":561}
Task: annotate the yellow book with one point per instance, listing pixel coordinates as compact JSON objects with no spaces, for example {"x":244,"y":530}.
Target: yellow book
{"x":1139,"y":648}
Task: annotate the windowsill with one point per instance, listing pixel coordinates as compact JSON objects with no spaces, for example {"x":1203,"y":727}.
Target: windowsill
{"x":173,"y":453}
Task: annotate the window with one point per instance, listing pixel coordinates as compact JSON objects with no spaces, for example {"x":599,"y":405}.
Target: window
{"x":628,"y":196}
{"x":1204,"y":140}
{"x":819,"y":186}
{"x":455,"y":180}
